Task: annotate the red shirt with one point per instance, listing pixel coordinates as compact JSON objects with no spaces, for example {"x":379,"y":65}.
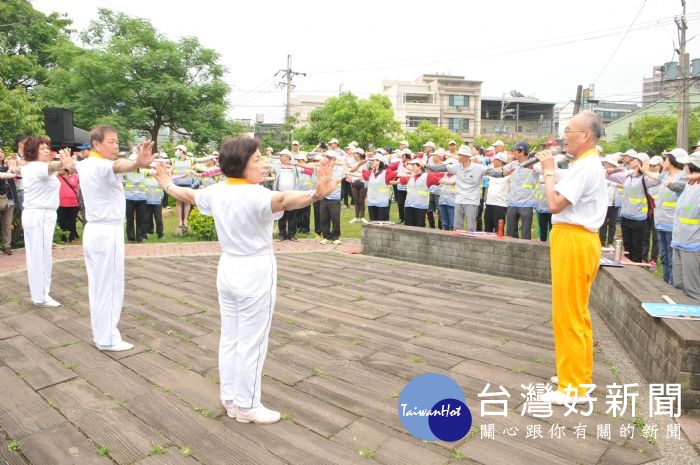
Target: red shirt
{"x":388,"y":177}
{"x":433,"y":178}
{"x":68,"y":195}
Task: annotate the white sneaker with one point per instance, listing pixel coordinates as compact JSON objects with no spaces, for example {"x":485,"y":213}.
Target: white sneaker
{"x":118,"y":347}
{"x":554,"y":380}
{"x":49,"y":302}
{"x":364,"y":220}
{"x":325,"y":241}
{"x":354,"y":220}
{"x":337,"y":242}
{"x":559,"y":398}
{"x":261,"y":415}
{"x":231,"y":410}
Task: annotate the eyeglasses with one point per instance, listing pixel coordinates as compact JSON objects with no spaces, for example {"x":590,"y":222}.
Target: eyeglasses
{"x":569,"y":131}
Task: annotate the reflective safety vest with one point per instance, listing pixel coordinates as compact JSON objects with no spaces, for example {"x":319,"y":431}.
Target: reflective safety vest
{"x":686,"y":222}
{"x":306,"y":182}
{"x":154,"y":193}
{"x":337,"y":174}
{"x":378,"y":191}
{"x":417,"y":193}
{"x":522,"y":187}
{"x":666,"y":207}
{"x":541,"y":198}
{"x":182,"y":167}
{"x":634,"y":203}
{"x":402,"y":169}
{"x":134,"y":186}
{"x":448,"y":192}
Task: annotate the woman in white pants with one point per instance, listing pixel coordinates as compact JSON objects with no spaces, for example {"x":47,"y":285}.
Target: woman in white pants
{"x":244,"y":212}
{"x":41,"y":188}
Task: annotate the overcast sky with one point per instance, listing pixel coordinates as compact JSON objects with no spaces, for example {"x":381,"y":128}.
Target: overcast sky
{"x":543,"y":48}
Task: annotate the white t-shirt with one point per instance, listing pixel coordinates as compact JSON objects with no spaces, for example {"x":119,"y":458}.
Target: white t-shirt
{"x":242,"y":215}
{"x":497,"y":193}
{"x":40,"y":187}
{"x":584,"y":185}
{"x":102,"y":191}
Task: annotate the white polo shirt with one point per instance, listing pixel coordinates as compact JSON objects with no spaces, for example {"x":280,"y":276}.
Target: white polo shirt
{"x":102,"y":190}
{"x":584,"y":185}
{"x":40,"y":188}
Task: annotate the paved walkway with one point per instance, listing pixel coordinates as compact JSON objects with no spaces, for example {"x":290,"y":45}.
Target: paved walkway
{"x":349,"y":332}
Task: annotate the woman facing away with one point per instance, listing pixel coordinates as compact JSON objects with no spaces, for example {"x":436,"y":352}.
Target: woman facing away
{"x":244,"y":212}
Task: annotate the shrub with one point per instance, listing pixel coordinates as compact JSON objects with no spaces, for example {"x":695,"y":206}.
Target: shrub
{"x":202,"y":226}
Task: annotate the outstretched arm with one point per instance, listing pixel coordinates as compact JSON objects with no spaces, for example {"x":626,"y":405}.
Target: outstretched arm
{"x":144,"y":158}
{"x":292,"y":200}
{"x":165,"y":180}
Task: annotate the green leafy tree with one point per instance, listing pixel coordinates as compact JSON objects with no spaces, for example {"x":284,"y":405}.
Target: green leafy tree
{"x":427,"y":131}
{"x":654,"y":132}
{"x":19,"y":114}
{"x":370,"y":122}
{"x":133,"y":77}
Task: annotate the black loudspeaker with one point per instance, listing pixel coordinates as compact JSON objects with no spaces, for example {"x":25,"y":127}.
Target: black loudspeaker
{"x":58,"y":123}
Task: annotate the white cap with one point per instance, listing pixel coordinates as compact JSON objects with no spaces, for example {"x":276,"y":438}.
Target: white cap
{"x":359,"y":150}
{"x":417,"y":161}
{"x":381,"y":158}
{"x":295,"y":142}
{"x":300,"y":156}
{"x":181,"y":147}
{"x":610,"y":159}
{"x":381,"y":150}
{"x":499,"y":143}
{"x":656,"y":160}
{"x":269,"y":149}
{"x":450,"y":161}
{"x":630,"y":153}
{"x":404,"y":142}
{"x":430,"y":144}
{"x":333,"y":141}
{"x":679,"y":153}
{"x":285,"y":152}
{"x":502,"y":157}
{"x":407,"y":151}
{"x":641,"y":156}
{"x":452,"y":143}
{"x":693,"y":158}
{"x":440,"y":152}
{"x":330,"y":153}
{"x":464,"y":150}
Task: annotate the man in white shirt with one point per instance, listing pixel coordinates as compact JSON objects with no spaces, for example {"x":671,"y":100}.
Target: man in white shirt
{"x":103,"y":238}
{"x":579,"y":204}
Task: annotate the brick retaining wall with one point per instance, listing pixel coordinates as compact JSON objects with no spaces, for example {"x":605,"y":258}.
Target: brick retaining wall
{"x":664,"y":350}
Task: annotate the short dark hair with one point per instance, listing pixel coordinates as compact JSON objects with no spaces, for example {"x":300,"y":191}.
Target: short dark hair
{"x":31,"y":147}
{"x":98,"y":133}
{"x":234,"y":155}
{"x":21,"y":138}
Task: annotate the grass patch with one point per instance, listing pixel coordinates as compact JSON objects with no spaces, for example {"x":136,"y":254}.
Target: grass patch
{"x":285,"y":416}
{"x":203,"y":411}
{"x":102,"y":451}
{"x":185,"y":451}
{"x":68,"y":365}
{"x":157,"y":450}
{"x":14,"y":446}
{"x":416,"y":359}
{"x":366,"y":453}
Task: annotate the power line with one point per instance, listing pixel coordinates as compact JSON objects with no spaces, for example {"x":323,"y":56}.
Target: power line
{"x":620,"y":43}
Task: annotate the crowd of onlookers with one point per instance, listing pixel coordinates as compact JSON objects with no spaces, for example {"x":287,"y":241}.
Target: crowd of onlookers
{"x":651,"y":204}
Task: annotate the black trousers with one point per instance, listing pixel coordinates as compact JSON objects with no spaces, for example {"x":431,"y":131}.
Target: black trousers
{"x":378,"y":213}
{"x":400,"y":201}
{"x":415,"y":216}
{"x":492,"y":215}
{"x":480,"y":211}
{"x":544,"y":221}
{"x":67,"y":217}
{"x":633,"y":232}
{"x":155,"y":214}
{"x":288,"y":224}
{"x":330,"y":219}
{"x":317,"y":217}
{"x":607,"y":230}
{"x":304,"y":219}
{"x":650,"y":240}
{"x":346,"y":193}
{"x":136,"y":214}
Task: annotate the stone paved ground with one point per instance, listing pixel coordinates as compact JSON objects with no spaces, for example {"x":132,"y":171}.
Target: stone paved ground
{"x":348,"y":333}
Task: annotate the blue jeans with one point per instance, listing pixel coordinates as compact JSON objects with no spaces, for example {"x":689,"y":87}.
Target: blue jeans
{"x":666,"y":254}
{"x":447,"y":216}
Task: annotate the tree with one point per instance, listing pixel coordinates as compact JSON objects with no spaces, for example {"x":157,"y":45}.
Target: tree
{"x":370,"y":122}
{"x":19,"y":114}
{"x":134,"y":78}
{"x":427,"y":131}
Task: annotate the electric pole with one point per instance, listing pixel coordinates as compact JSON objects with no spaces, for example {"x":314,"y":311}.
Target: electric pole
{"x":288,"y":74}
{"x":682,"y":130}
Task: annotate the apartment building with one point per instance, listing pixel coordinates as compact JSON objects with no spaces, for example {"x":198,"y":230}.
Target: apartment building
{"x":664,"y":84}
{"x":452,"y":102}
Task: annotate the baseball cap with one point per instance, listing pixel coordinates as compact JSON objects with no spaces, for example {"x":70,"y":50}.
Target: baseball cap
{"x":656,"y":160}
{"x":430,"y":144}
{"x":641,"y":156}
{"x":333,"y":141}
{"x":295,"y":142}
{"x":404,"y":142}
{"x":521,"y":146}
{"x":498,"y":143}
{"x":693,"y":147}
{"x":300,"y":156}
{"x":285,"y":152}
{"x":452,"y":143}
{"x":359,"y":150}
{"x":464,"y":150}
{"x":501,"y":157}
{"x":381,"y":158}
{"x":693,"y":158}
{"x":84,"y":147}
{"x":416,"y":161}
{"x":331,"y":153}
{"x":630,"y":153}
{"x":611,"y":159}
{"x":181,"y":147}
{"x":407,"y":151}
{"x":440,"y":152}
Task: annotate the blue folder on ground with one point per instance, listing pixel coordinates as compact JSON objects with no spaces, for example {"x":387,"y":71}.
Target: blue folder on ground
{"x":678,"y":311}
{"x":604,"y":261}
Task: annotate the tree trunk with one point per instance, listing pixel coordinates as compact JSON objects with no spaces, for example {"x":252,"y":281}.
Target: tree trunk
{"x":154,"y":137}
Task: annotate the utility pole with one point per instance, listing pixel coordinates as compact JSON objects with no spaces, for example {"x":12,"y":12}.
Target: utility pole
{"x":288,"y":74}
{"x":682,"y":130}
{"x":577,"y":103}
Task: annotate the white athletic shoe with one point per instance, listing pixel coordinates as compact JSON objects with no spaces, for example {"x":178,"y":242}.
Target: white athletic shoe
{"x":559,"y":398}
{"x":354,"y":220}
{"x":231,"y":410}
{"x":337,"y":242}
{"x":261,"y":415}
{"x":554,"y":380}
{"x":325,"y":241}
{"x":49,"y":302}
{"x":118,"y":347}
{"x":364,"y":220}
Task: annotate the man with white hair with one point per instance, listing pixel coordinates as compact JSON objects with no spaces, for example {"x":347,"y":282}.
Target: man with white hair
{"x":286,"y":179}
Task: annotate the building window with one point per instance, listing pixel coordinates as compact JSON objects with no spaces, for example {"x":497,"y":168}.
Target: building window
{"x":414,"y":121}
{"x":418,"y":98}
{"x":458,"y":124}
{"x":459,"y":101}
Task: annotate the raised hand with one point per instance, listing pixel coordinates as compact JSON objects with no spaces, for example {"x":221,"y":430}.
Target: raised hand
{"x":325,"y":184}
{"x":67,"y":161}
{"x":162,"y":175}
{"x":144,"y":154}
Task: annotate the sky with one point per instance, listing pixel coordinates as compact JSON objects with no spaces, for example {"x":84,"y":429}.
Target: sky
{"x":542,"y":48}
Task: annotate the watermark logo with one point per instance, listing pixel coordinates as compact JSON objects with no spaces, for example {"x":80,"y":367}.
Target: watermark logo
{"x":432,"y":407}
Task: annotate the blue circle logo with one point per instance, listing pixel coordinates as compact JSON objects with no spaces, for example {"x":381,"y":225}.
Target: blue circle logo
{"x":432,"y":407}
